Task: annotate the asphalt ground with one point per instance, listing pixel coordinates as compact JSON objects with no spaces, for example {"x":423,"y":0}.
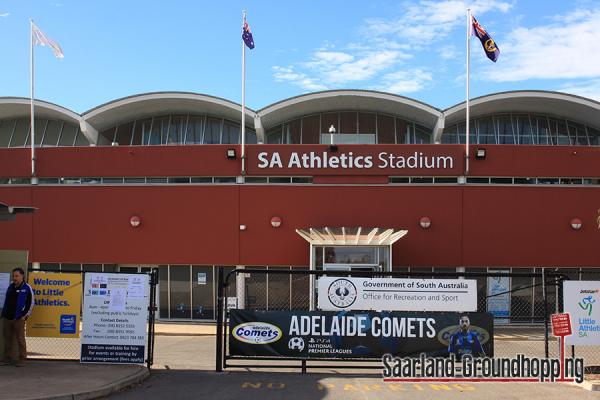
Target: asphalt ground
{"x":186,"y":384}
{"x":184,"y":369}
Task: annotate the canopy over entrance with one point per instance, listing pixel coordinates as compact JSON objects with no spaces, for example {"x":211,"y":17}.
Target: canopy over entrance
{"x":353,"y":236}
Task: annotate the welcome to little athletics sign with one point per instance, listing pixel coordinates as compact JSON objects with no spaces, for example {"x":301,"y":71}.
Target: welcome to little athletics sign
{"x":393,"y":294}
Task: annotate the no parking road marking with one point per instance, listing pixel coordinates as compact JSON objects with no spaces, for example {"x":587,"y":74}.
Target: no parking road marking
{"x":358,"y":387}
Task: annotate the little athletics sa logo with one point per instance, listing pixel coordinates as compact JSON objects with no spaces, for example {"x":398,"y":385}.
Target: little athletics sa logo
{"x":257,"y":333}
{"x":342,"y":293}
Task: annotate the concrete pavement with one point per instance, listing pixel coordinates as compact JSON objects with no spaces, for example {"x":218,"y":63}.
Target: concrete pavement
{"x":58,"y":380}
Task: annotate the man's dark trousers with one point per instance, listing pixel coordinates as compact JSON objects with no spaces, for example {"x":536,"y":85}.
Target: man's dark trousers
{"x":14,"y":333}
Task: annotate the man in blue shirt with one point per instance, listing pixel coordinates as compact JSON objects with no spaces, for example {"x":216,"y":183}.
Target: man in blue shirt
{"x":18,"y":305}
{"x":464,"y":341}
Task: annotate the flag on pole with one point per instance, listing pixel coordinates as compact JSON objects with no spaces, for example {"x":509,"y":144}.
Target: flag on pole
{"x":489,"y":46}
{"x":247,"y":36}
{"x":39,"y":37}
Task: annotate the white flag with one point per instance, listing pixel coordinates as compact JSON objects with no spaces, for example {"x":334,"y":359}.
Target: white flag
{"x":40,"y":38}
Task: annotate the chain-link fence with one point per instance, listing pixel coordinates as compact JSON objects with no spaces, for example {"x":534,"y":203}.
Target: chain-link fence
{"x":65,"y":347}
{"x":520,"y":302}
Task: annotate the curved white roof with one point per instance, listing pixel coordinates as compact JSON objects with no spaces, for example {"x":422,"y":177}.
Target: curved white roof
{"x":563,"y":105}
{"x":15,"y":107}
{"x":347,"y":100}
{"x":148,"y":104}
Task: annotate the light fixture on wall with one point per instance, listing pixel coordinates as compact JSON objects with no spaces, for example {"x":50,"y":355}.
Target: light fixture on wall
{"x":480,"y":154}
{"x":231,"y":154}
{"x":576,"y":223}
{"x":425,"y":222}
{"x":135,"y":221}
{"x":275,"y":222}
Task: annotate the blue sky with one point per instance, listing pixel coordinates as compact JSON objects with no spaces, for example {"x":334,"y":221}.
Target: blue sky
{"x":414,"y":48}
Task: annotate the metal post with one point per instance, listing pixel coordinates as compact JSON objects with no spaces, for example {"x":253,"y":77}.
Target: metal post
{"x":243,"y":130}
{"x":220,"y":310}
{"x":544,"y":294}
{"x":468,"y":95}
{"x":32,"y":88}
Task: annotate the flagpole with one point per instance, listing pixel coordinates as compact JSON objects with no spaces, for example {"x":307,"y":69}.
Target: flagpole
{"x":243,"y":99}
{"x":32,"y":82}
{"x":467,"y":134}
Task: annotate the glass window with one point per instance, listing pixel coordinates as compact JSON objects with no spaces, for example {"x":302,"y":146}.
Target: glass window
{"x":177,"y":128}
{"x":40,"y":128}
{"x":124,"y":133}
{"x":348,"y":123}
{"x":179,"y":276}
{"x":385,"y":128}
{"x":330,"y":119}
{"x":366,"y":124}
{"x":311,"y":127}
{"x":141,"y":132}
{"x":559,"y":128}
{"x":422,"y":135}
{"x":194,"y":130}
{"x":163,"y":293}
{"x":158,"y":132}
{"x":505,"y":129}
{"x":6,"y":129}
{"x":523,"y":129}
{"x":543,"y":132}
{"x":402,"y":129}
{"x":486,"y":133}
{"x":20,"y":133}
{"x":70,"y":267}
{"x":81,"y":140}
{"x":67,"y":138}
{"x":251,"y":137}
{"x":92,"y":267}
{"x":231,"y":133}
{"x":292,"y":131}
{"x":212,"y":132}
{"x":594,"y":136}
{"x":202,"y":292}
{"x":108,"y":136}
{"x":52,"y":133}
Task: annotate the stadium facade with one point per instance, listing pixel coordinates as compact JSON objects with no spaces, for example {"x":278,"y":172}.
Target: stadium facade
{"x":336,"y":179}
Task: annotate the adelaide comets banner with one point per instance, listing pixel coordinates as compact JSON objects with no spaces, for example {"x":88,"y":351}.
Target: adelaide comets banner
{"x":57,"y":304}
{"x":327,"y":334}
{"x":392,"y":294}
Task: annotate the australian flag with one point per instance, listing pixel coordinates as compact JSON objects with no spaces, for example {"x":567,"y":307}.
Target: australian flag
{"x":247,"y":36}
{"x":489,"y":46}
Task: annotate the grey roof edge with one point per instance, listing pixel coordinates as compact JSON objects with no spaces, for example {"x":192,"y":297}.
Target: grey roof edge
{"x":524,"y":91}
{"x":342,"y":91}
{"x":166,"y":93}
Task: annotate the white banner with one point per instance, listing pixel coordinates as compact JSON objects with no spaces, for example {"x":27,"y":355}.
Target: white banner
{"x":115,"y":315}
{"x":393,"y":294}
{"x":580,"y":299}
{"x":498,"y":301}
{"x":4,"y":284}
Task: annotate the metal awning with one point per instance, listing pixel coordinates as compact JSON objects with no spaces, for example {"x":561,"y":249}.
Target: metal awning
{"x":354,"y":236}
{"x":8,"y":213}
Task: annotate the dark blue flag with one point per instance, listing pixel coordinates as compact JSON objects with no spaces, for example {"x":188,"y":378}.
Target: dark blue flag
{"x":489,"y":46}
{"x":247,"y":36}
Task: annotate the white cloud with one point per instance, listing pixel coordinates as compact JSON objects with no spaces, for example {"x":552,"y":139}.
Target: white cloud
{"x":406,"y":81}
{"x":379,"y":58}
{"x":428,"y":21}
{"x":287,"y":74}
{"x":562,"y":49}
{"x":4,"y":15}
{"x":589,"y":89}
